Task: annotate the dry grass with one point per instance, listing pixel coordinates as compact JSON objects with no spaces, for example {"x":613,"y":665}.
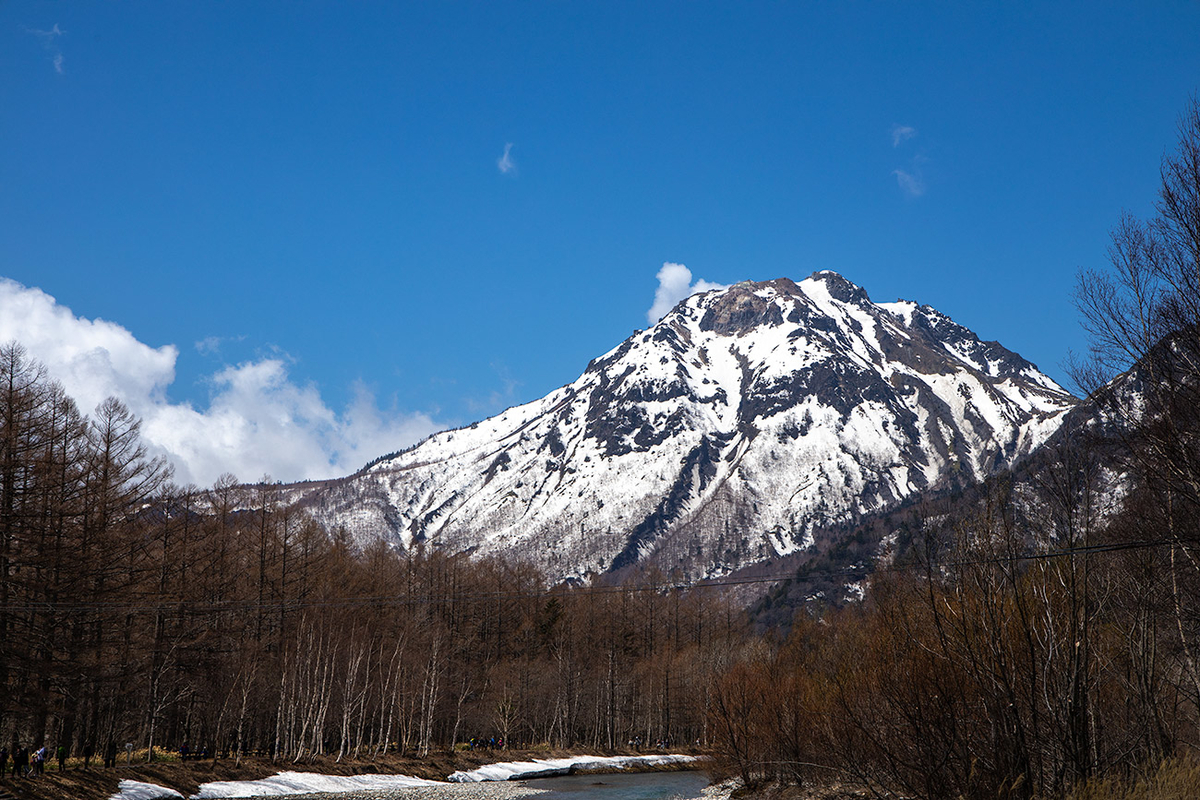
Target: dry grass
{"x":1176,"y":779}
{"x":834,"y":790}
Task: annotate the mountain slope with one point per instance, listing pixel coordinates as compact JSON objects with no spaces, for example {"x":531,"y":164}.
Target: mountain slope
{"x":725,"y":434}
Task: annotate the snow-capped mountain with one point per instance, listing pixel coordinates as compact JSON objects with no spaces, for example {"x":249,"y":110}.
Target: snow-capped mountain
{"x":727,"y":433}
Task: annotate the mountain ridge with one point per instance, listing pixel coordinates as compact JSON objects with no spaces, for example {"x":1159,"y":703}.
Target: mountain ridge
{"x":723,"y":435}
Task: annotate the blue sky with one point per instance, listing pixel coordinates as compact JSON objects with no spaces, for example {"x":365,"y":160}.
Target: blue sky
{"x":313,"y":193}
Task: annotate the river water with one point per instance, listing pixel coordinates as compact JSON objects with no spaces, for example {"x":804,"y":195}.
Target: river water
{"x":628,"y":786}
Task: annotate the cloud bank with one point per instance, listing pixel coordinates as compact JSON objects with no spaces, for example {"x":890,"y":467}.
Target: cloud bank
{"x":258,"y":421}
{"x":675,"y":284}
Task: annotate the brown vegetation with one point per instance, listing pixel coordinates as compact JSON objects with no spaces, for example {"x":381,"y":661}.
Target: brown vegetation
{"x":223,"y":620}
{"x":1045,"y":643}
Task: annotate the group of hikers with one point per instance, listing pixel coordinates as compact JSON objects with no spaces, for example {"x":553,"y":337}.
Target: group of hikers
{"x":493,"y":743}
{"x":662,"y":744}
{"x":29,"y":764}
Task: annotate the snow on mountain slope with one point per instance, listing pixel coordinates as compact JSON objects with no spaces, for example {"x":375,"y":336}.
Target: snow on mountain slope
{"x":725,"y":434}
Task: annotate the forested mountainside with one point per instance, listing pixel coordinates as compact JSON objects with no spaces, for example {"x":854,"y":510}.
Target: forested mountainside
{"x":1084,"y":463}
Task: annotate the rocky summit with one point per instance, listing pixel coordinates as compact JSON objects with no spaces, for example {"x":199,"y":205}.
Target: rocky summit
{"x":742,"y":422}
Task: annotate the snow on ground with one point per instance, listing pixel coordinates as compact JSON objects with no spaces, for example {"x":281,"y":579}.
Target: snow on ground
{"x":306,"y":783}
{"x":288,"y":783}
{"x":517,"y":770}
{"x":137,"y":790}
{"x":284,"y":783}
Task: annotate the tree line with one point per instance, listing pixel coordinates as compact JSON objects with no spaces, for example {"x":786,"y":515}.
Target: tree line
{"x":1044,"y":637}
{"x":225,"y":620}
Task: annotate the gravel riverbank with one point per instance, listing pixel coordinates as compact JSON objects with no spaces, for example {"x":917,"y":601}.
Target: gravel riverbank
{"x":495,"y":790}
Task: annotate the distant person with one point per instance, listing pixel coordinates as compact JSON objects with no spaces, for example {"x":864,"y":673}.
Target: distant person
{"x":88,"y":751}
{"x":110,"y":754}
{"x":61,"y":755}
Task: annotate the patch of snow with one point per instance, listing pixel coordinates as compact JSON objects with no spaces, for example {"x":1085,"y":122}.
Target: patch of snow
{"x":517,"y":770}
{"x":784,"y":543}
{"x":901,"y":308}
{"x":138,"y":790}
{"x":865,"y":342}
{"x":286,"y":783}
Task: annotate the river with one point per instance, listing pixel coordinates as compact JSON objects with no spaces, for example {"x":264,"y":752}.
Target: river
{"x":627,"y":786}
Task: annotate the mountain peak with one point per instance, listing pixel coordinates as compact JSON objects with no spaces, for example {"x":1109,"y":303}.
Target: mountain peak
{"x":736,"y":429}
{"x":840,"y":288}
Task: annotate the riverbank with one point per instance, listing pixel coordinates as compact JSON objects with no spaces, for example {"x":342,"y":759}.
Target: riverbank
{"x":186,"y":777}
{"x":727,"y":790}
{"x":732,"y":790}
{"x":606,"y":786}
{"x":449,"y":791}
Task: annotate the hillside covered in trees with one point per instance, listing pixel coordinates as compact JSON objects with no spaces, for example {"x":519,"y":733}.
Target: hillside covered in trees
{"x":135,"y":610}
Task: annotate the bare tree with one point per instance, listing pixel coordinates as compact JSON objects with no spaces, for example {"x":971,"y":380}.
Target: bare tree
{"x":1143,"y":317}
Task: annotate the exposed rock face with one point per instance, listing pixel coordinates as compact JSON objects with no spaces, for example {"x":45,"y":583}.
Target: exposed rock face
{"x":723,"y":435}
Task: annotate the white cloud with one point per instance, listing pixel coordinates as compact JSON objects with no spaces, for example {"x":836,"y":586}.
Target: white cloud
{"x":675,"y":284}
{"x":505,"y":163}
{"x":47,"y":35}
{"x":211,"y":345}
{"x":49,"y":41}
{"x":902,"y":133}
{"x":910,"y":183}
{"x":910,"y":180}
{"x":258,"y":421}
